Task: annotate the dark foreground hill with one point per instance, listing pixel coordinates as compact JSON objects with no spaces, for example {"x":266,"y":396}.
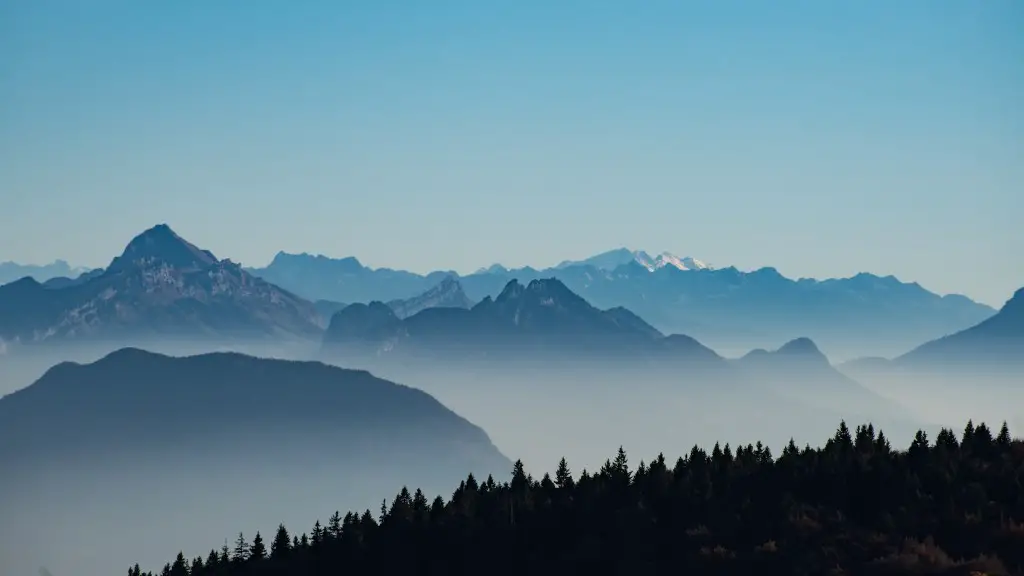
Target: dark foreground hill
{"x":142,"y":447}
{"x":856,"y":506}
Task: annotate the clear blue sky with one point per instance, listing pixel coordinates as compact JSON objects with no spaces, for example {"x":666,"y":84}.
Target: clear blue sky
{"x":822,"y":138}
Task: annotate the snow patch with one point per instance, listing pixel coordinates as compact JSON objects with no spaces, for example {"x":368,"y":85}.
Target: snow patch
{"x":668,"y":259}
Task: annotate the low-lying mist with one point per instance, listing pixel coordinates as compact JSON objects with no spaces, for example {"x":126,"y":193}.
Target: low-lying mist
{"x":93,"y":513}
{"x":97,"y":516}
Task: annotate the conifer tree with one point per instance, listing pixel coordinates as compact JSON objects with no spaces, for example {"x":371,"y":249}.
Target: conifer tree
{"x":563,"y":476}
{"x":241,"y":551}
{"x":1003,"y":440}
{"x":334,"y":525}
{"x":281,"y":544}
{"x":258,"y":551}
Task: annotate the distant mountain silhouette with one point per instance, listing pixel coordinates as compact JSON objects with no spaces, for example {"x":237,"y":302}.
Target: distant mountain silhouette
{"x":318,"y":277}
{"x":993,"y":344}
{"x":160,"y":286}
{"x":11,"y":271}
{"x":725,"y":308}
{"x":800,"y":370}
{"x":447,"y":294}
{"x":327,"y":308}
{"x":195,"y":441}
{"x":543,"y":319}
{"x":65,"y":282}
{"x":612,"y":259}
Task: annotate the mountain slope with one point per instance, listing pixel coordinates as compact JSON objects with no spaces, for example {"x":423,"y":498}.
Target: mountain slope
{"x":196,"y":441}
{"x":161,"y":286}
{"x":997,"y":342}
{"x":447,"y":294}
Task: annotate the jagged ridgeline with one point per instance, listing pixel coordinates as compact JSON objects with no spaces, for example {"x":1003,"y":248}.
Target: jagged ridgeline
{"x":855,"y":506}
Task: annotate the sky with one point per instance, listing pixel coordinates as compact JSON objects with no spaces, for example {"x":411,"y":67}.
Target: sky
{"x":820,"y":138}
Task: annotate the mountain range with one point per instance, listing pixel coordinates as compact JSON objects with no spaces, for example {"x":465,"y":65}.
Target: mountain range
{"x":540,"y":361}
{"x":161,"y":286}
{"x":612,"y":259}
{"x":11,"y":271}
{"x":542,"y":318}
{"x":730,"y":310}
{"x":546,"y":325}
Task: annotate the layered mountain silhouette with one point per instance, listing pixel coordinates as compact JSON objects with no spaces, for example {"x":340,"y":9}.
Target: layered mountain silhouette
{"x":161,"y":286}
{"x":11,"y":271}
{"x":541,"y":319}
{"x":726,"y":308}
{"x":800,"y":371}
{"x":995,"y":343}
{"x":184,"y":445}
{"x":447,"y":294}
{"x":344,"y":279}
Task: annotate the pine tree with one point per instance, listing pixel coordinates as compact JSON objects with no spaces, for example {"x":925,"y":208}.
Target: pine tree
{"x":1004,"y":439}
{"x":563,"y":476}
{"x":241,"y":551}
{"x":258,"y":551}
{"x":281,"y":544}
{"x":334,"y":526}
{"x":843,"y":439}
{"x":180,"y":566}
{"x":318,"y":533}
{"x":519,"y":481}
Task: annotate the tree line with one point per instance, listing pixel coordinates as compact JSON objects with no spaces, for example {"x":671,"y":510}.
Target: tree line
{"x":856,"y":505}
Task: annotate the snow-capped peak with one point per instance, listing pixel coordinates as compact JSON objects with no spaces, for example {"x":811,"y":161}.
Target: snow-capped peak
{"x":668,"y":259}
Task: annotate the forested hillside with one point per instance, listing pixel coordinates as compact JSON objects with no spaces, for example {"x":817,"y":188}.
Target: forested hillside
{"x":857,"y":505}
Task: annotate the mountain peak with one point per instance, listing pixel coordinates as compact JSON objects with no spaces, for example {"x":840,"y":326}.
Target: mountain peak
{"x":800,"y":347}
{"x":612,"y":259}
{"x":446,"y":294}
{"x":512,"y":289}
{"x":162,"y":244}
{"x":667,"y":259}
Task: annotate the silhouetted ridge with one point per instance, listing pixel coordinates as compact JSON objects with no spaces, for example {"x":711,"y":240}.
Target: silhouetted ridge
{"x":372,"y":321}
{"x":543,"y":319}
{"x":124,"y":391}
{"x":346,"y":265}
{"x":996,"y":343}
{"x":802,"y":348}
